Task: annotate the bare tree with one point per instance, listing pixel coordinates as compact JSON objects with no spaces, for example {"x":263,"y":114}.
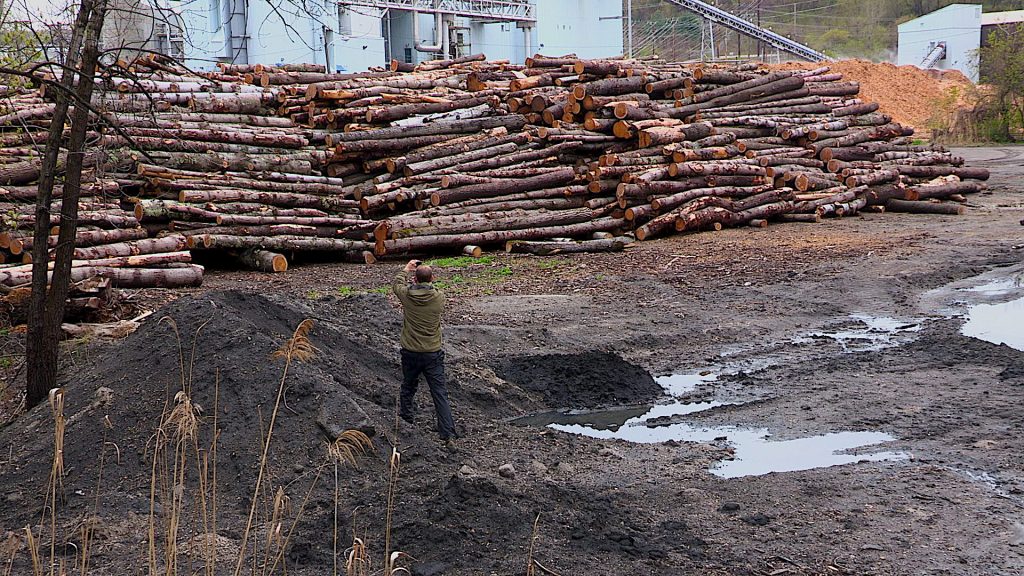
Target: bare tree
{"x":46,"y":306}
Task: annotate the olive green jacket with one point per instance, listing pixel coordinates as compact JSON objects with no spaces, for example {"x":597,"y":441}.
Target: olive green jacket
{"x":422,"y":305}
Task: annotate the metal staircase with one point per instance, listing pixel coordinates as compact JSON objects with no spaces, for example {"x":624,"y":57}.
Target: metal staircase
{"x":718,"y":16}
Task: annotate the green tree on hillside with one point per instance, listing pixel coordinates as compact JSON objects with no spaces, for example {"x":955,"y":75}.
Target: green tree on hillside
{"x":1003,"y":69}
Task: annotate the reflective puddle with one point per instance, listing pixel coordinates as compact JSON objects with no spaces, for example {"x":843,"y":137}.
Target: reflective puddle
{"x":870,"y":333}
{"x":997,"y":323}
{"x":997,"y":286}
{"x":752,"y":452}
{"x":991,"y":303}
{"x":680,"y":384}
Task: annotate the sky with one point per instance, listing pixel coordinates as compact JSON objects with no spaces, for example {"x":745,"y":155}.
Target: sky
{"x":35,"y":10}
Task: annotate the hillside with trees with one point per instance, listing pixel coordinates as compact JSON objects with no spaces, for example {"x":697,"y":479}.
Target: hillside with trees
{"x":841,"y":28}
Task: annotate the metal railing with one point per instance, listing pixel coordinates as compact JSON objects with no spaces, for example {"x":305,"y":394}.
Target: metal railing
{"x":497,"y":10}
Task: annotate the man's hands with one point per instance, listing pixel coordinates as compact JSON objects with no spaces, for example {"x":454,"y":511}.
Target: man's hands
{"x":412,"y":265}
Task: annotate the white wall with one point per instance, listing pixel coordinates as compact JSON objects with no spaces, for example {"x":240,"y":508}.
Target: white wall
{"x":958,"y":25}
{"x":284,"y":32}
{"x":203,"y":34}
{"x":358,"y":43}
{"x":576,"y":26}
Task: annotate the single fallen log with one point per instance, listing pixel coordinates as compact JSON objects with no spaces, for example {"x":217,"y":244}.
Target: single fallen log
{"x":550,"y":248}
{"x":424,"y":243}
{"x":184,"y":276}
{"x":275,"y":243}
{"x":914,"y":207}
{"x":263,"y":260}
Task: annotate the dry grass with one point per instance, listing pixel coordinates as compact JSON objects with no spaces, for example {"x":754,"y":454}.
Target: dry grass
{"x":298,"y":347}
{"x":346,"y":450}
{"x":183,"y":514}
{"x":56,"y":400}
{"x":530,"y":570}
{"x":394,"y":464}
{"x":358,"y":559}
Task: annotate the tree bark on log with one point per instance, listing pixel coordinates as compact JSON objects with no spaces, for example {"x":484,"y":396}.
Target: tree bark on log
{"x":170,"y":243}
{"x":943,"y":191}
{"x":913,"y":207}
{"x":423,"y":243}
{"x":550,"y":248}
{"x":275,"y":243}
{"x":272,"y":198}
{"x":186,"y":276}
{"x":547,"y":180}
{"x":262,"y":260}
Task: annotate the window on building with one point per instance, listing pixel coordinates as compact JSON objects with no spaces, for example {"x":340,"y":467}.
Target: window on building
{"x":344,"y":21}
{"x":408,"y":55}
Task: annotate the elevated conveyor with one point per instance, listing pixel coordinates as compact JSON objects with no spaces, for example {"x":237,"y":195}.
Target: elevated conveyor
{"x":733,"y":22}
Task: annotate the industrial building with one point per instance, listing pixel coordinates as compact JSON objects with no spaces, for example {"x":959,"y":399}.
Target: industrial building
{"x":949,"y":39}
{"x":355,"y":35}
{"x":358,"y":34}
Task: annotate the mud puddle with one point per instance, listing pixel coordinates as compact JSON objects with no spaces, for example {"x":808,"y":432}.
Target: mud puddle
{"x":997,"y":323}
{"x":750,"y":451}
{"x":868,"y":333}
{"x":991,"y":303}
{"x":855,"y":333}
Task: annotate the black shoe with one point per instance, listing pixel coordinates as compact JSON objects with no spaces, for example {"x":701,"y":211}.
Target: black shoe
{"x":409,"y":419}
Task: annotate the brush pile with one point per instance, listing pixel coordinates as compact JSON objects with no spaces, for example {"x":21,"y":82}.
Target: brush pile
{"x":557,"y":155}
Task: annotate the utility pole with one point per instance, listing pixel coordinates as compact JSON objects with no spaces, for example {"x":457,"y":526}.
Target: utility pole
{"x":629,"y":28}
{"x":760,"y":44}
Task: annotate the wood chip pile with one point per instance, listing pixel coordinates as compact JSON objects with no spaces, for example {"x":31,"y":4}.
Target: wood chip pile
{"x":263,"y":164}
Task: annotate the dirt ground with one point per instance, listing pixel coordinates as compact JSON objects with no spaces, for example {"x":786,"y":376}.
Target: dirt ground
{"x":765,"y":309}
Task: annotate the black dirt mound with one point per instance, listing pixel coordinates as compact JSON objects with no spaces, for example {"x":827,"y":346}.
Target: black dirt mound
{"x":227,"y":344}
{"x":1014,"y":371}
{"x":586,"y":380}
{"x":225,"y":363}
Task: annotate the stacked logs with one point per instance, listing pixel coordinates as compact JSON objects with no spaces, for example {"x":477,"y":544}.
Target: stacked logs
{"x":556,"y":155}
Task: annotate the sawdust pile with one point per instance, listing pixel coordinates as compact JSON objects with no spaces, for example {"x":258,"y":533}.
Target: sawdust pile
{"x":912,"y":96}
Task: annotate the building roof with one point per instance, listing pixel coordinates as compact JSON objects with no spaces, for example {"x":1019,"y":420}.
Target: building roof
{"x":929,"y":16}
{"x":1009,"y":17}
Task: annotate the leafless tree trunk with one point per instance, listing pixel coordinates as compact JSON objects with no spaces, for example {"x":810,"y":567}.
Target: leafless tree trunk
{"x":46,"y":308}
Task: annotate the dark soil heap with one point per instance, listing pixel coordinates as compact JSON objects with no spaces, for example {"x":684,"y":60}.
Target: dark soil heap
{"x":445,"y":511}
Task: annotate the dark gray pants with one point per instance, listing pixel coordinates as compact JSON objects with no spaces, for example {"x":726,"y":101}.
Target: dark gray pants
{"x":431,"y":365}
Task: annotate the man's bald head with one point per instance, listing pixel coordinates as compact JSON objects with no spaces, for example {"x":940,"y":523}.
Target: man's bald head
{"x":424,"y":274}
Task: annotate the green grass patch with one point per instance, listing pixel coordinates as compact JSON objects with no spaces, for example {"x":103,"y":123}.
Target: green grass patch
{"x":450,"y":282}
{"x":551,"y":263}
{"x":346,"y":291}
{"x":459,"y":261}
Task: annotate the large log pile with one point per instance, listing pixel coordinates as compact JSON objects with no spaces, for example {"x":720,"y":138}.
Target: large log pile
{"x":556,"y":155}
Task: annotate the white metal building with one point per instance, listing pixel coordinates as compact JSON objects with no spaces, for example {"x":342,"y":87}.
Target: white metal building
{"x":949,"y":39}
{"x":354,"y":35}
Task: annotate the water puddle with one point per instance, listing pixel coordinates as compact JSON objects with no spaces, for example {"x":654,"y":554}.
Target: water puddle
{"x":681,"y":384}
{"x":997,"y":287}
{"x":997,"y":323}
{"x":753,"y":453}
{"x":871,"y":333}
{"x":991,"y":303}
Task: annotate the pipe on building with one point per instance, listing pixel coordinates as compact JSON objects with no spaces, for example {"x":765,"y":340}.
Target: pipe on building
{"x":438,"y":45}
